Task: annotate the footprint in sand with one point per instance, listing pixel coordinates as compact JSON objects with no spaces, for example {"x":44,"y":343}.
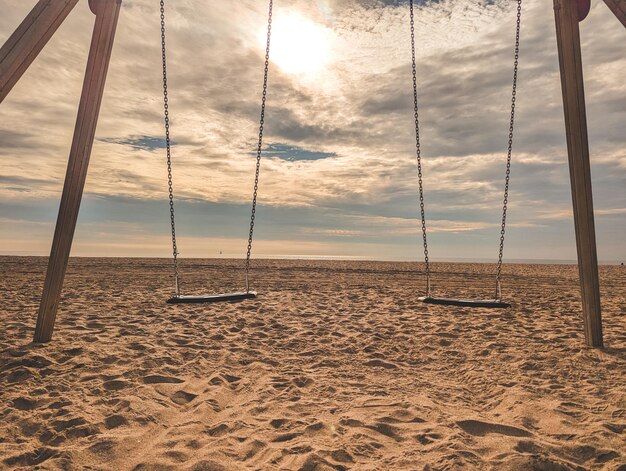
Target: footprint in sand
{"x":159,"y":379}
{"x":341,"y":456}
{"x":182,"y":397}
{"x":278,"y":423}
{"x":316,"y":427}
{"x":387,"y":430}
{"x":103,"y":447}
{"x":401,"y":417}
{"x":380,"y":427}
{"x":51,"y":438}
{"x":23,"y":403}
{"x":176,"y":455}
{"x":285,"y":437}
{"x":218,"y":430}
{"x":19,"y":375}
{"x":427,"y":438}
{"x":216,"y":381}
{"x":214,"y":405}
{"x":351,"y":423}
{"x":114,"y":385}
{"x":380,"y":364}
{"x":31,"y":458}
{"x":231,"y":378}
{"x":253,"y":449}
{"x":302,"y":381}
{"x":115,"y":421}
{"x":109,"y":360}
{"x":61,"y":425}
{"x":480,"y":429}
{"x":280,"y":384}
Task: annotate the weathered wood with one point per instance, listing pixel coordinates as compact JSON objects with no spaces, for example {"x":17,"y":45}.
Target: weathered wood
{"x":27,"y":41}
{"x":84,"y":132}
{"x":568,"y":41}
{"x":618,"y":7}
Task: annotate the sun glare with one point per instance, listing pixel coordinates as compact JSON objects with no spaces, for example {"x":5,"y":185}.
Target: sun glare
{"x":298,"y":45}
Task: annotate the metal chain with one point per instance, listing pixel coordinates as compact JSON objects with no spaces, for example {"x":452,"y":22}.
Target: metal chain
{"x":168,"y":149}
{"x":510,"y":150}
{"x":418,"y":150}
{"x":260,"y":144}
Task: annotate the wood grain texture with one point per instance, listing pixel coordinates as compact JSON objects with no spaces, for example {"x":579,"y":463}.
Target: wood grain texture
{"x":84,"y":132}
{"x":27,"y":41}
{"x":572,"y":85}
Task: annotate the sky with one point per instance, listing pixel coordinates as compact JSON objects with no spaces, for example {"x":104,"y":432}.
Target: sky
{"x":338,"y":174}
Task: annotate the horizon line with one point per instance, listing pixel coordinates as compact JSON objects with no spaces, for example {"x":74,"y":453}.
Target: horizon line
{"x":485,"y":261}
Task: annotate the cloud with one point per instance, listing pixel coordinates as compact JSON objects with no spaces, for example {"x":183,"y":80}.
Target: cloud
{"x":338,"y":169}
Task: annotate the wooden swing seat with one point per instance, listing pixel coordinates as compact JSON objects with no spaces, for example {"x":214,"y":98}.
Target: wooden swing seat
{"x":214,"y":298}
{"x":488,"y":303}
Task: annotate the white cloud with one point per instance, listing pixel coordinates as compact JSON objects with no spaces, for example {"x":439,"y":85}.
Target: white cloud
{"x":359,"y":107}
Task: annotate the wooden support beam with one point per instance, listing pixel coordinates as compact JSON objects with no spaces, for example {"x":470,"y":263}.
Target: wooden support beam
{"x":29,"y":39}
{"x":107,"y":12}
{"x":568,"y":41}
{"x":618,"y":7}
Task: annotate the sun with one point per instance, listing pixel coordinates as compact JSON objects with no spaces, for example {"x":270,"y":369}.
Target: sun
{"x":299,"y":46}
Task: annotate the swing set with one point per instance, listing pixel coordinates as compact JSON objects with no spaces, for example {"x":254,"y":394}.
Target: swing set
{"x":41,"y":23}
{"x":247,"y":294}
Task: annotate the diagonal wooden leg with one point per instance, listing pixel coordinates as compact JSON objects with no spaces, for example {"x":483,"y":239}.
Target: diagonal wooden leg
{"x":568,"y":40}
{"x":618,"y":7}
{"x":29,"y":39}
{"x":107,"y":12}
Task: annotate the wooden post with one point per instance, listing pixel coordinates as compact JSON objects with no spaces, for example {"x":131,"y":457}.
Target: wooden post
{"x":29,"y":39}
{"x":568,"y":41}
{"x":107,"y":12}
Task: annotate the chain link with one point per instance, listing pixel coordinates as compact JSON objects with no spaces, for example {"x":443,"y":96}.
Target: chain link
{"x":259,"y":144}
{"x":505,"y":201}
{"x":509,"y":153}
{"x":418,"y":150}
{"x":168,"y":149}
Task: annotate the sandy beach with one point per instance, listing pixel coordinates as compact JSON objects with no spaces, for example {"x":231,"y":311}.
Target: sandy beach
{"x":334,"y":366}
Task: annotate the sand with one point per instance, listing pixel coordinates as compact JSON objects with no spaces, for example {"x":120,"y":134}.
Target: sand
{"x":336,"y":365}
